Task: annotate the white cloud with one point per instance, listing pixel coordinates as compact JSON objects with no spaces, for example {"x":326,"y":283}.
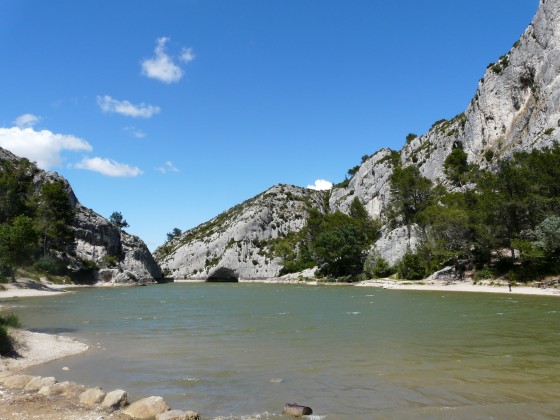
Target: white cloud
{"x":43,"y":147}
{"x":168,"y":167}
{"x":108,"y":167}
{"x":108,"y":104}
{"x":139,"y":134}
{"x":187,"y":55}
{"x":162,"y":67}
{"x":321,"y":185}
{"x":26,"y":120}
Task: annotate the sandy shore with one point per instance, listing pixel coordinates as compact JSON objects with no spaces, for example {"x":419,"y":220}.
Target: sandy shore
{"x":37,"y":348}
{"x":427,"y":285}
{"x":459,"y":286}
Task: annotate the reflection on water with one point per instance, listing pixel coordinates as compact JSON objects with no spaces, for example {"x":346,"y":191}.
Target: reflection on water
{"x":236,"y":350}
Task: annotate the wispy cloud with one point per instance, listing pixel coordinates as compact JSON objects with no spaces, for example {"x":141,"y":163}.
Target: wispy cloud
{"x":321,"y":185}
{"x":108,"y":167}
{"x":108,"y":104}
{"x":162,"y":67}
{"x":26,"y":120}
{"x":43,"y":147}
{"x":168,"y":167}
{"x":187,"y":55}
{"x":133,"y":131}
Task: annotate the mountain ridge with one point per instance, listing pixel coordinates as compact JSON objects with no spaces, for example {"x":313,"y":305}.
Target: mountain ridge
{"x":516,"y":108}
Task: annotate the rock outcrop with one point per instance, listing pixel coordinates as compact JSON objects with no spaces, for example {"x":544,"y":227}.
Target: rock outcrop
{"x":239,"y":242}
{"x":98,"y":243}
{"x":516,"y":108}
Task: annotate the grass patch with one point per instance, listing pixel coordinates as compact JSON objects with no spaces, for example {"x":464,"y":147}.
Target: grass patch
{"x":8,"y":345}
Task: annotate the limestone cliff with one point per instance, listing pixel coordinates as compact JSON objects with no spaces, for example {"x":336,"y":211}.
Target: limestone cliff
{"x":96,"y":239}
{"x":516,"y":108}
{"x":239,"y":242}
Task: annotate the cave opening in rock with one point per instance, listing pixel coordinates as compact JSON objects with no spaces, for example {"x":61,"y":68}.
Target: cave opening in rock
{"x":224,"y":275}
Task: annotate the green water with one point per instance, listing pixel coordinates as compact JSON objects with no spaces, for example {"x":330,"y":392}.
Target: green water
{"x":349,"y":353}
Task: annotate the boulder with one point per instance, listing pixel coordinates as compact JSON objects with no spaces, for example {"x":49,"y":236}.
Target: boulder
{"x":64,"y":388}
{"x":296,"y":410}
{"x":16,"y":381}
{"x":39,"y":382}
{"x":146,"y":408}
{"x":92,"y":396}
{"x":115,"y":399}
{"x":178,"y":415}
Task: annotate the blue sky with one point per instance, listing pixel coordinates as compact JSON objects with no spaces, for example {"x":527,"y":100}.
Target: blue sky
{"x":173,"y":111}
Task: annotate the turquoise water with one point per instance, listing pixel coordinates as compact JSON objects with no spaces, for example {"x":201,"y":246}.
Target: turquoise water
{"x":350,"y":353}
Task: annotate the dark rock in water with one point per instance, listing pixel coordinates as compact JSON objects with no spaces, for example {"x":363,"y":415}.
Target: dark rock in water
{"x":296,"y":410}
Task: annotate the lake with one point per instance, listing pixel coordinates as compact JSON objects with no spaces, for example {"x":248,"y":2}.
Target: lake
{"x":244,"y":350}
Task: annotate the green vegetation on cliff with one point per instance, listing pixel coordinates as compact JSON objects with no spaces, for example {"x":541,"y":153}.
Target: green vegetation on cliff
{"x":507,"y":222}
{"x":33,"y":224}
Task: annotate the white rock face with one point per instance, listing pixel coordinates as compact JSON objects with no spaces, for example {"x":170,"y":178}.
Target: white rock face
{"x":238,"y":243}
{"x":96,"y":238}
{"x":516,"y":108}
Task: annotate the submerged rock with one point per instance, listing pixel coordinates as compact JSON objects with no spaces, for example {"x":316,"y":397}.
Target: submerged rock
{"x":296,"y":410}
{"x":178,"y":415}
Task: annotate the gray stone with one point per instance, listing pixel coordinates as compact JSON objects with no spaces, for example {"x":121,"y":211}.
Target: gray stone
{"x":178,"y":415}
{"x":92,"y":396}
{"x":296,"y":410}
{"x":146,"y":408}
{"x":64,"y":388}
{"x":38,"y":382}
{"x":16,"y":381}
{"x":115,"y":399}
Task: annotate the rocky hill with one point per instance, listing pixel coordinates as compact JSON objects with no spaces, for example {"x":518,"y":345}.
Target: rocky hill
{"x":516,"y":108}
{"x":239,"y":242}
{"x":101,"y":251}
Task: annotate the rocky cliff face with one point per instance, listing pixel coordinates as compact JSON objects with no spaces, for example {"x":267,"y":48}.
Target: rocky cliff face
{"x":516,"y":108}
{"x":239,"y":242}
{"x":96,"y":239}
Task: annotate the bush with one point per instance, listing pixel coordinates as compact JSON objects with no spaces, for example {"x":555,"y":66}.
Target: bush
{"x":48,"y":264}
{"x":108,"y":261}
{"x":8,"y":344}
{"x":483,"y":274}
{"x":410,"y":267}
{"x":10,"y":320}
{"x":377,"y":267}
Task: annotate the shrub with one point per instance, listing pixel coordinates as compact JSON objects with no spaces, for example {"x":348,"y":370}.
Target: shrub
{"x":410,"y":267}
{"x":10,"y":320}
{"x":377,"y":267}
{"x":48,"y":264}
{"x":483,"y":274}
{"x":7,"y":342}
{"x":549,"y":131}
{"x":108,"y":261}
{"x":410,"y":137}
{"x":489,"y":155}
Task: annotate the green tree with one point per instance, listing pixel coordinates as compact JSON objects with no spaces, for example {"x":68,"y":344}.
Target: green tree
{"x":411,"y":267}
{"x":55,"y":215}
{"x":117,"y":219}
{"x":410,"y":191}
{"x":456,"y":167}
{"x":377,"y":267}
{"x":16,"y":182}
{"x":175,"y":233}
{"x":18,"y":242}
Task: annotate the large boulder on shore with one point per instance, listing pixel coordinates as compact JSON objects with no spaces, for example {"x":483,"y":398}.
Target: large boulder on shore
{"x":146,"y":408}
{"x":16,"y":381}
{"x":115,"y":399}
{"x":39,"y":382}
{"x":92,"y":396}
